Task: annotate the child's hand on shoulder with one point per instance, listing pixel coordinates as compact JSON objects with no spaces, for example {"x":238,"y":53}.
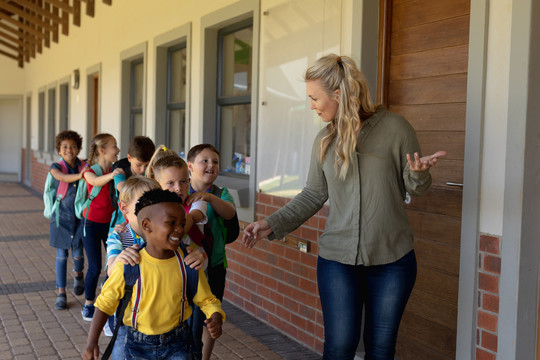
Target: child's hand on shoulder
{"x":130,"y":255}
{"x":213,"y":324}
{"x":120,"y":228}
{"x":199,"y":195}
{"x":117,"y":171}
{"x":195,"y":258}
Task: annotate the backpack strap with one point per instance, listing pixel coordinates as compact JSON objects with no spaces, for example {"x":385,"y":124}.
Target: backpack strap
{"x":60,"y":192}
{"x":131,"y":275}
{"x":95,"y":192}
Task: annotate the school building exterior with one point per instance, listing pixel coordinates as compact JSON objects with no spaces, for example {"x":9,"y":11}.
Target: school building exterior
{"x":465,"y":73}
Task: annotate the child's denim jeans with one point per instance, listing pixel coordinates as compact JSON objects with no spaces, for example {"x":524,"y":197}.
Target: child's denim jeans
{"x":173,"y":345}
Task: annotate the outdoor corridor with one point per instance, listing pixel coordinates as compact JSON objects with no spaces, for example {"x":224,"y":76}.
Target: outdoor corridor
{"x":30,"y":327}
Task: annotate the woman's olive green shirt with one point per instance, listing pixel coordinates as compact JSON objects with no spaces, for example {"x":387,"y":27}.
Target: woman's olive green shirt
{"x":367,"y":223}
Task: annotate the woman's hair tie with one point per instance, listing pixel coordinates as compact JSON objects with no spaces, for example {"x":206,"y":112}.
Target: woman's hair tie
{"x":339,"y":62}
{"x":164,"y":148}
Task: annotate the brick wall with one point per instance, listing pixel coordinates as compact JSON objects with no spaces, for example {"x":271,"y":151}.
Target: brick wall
{"x":489,"y":271}
{"x":276,"y":282}
{"x":39,"y":174}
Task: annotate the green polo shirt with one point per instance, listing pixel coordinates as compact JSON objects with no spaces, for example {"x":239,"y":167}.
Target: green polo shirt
{"x":367,"y":223}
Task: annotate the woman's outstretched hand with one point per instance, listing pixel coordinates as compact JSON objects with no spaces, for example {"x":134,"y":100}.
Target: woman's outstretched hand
{"x":424,"y":162}
{"x":254,"y":232}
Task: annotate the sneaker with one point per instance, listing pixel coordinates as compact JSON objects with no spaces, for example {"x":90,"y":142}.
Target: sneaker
{"x":107,"y":330}
{"x":87,"y":312}
{"x":78,"y":285}
{"x":60,"y":303}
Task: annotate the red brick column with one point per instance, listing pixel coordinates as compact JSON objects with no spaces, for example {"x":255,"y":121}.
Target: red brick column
{"x":489,"y":271}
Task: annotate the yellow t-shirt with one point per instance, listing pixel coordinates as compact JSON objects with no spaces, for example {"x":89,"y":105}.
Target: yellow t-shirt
{"x":161,"y":295}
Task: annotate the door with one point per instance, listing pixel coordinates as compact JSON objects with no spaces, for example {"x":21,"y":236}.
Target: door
{"x":10,"y":139}
{"x":424,"y":78}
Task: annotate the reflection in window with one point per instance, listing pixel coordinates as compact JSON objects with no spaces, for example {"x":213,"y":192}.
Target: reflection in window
{"x":176,"y":98}
{"x":51,"y":120}
{"x":234,"y":97}
{"x":136,"y":99}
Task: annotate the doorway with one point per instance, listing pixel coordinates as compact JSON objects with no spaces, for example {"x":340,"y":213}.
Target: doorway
{"x":11,"y":120}
{"x":423,"y":76}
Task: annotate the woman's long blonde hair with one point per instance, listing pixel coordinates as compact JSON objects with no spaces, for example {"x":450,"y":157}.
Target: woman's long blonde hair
{"x":98,"y":141}
{"x":355,"y":105}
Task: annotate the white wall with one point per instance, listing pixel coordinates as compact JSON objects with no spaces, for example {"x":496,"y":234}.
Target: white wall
{"x":11,"y":77}
{"x":496,"y":117}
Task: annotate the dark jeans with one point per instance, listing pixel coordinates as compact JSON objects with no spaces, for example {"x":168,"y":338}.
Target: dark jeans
{"x":345,"y":289}
{"x":173,"y":345}
{"x":216,"y":280}
{"x":96,"y":234}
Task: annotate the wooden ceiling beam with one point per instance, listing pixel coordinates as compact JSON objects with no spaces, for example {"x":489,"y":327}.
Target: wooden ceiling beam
{"x":14,"y":57}
{"x":8,"y":45}
{"x":62,"y":5}
{"x":21,"y":26}
{"x":25,"y":15}
{"x":90,"y":7}
{"x":51,"y":15}
{"x":27,"y":37}
{"x":23,"y":47}
{"x":107,"y":2}
{"x":77,"y":12}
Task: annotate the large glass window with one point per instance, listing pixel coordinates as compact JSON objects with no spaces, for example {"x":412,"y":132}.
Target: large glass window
{"x":136,"y":98}
{"x":235,"y":45}
{"x":176,"y":98}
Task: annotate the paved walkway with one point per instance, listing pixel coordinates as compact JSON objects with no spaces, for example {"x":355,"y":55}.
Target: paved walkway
{"x":30,"y":327}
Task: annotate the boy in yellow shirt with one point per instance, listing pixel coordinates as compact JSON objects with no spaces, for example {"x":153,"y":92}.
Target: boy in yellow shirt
{"x":156,"y":316}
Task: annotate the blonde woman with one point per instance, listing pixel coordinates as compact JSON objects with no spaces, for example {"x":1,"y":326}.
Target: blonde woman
{"x":363,"y":162}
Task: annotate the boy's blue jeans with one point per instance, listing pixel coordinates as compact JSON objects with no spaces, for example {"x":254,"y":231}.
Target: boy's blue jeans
{"x":345,"y":289}
{"x":173,"y":345}
{"x":61,"y":263}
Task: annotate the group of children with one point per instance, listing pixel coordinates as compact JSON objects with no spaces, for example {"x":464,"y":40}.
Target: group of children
{"x":156,"y":214}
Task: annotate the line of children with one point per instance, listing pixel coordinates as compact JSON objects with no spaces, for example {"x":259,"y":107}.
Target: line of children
{"x":66,"y":233}
{"x":203,"y":164}
{"x":171,"y":173}
{"x":103,"y":151}
{"x":160,"y":324}
{"x":138,"y":157}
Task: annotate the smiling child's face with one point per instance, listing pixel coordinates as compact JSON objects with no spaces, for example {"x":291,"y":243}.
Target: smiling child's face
{"x":175,"y":180}
{"x":163,"y":225}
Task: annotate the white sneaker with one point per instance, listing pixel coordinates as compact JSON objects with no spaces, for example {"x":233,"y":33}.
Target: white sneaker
{"x":107,"y":330}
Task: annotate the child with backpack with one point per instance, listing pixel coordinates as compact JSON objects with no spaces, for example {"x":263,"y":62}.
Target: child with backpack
{"x":203,"y":164}
{"x":155,"y":317}
{"x":59,"y":199}
{"x":138,"y":157}
{"x":97,"y":214}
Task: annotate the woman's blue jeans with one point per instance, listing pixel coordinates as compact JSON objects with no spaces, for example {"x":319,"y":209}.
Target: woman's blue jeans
{"x":61,"y":263}
{"x":96,"y":234}
{"x":345,"y":289}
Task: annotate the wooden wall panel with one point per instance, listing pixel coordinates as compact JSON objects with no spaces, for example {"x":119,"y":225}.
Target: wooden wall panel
{"x":440,"y":228}
{"x":437,"y":283}
{"x":430,"y":334}
{"x":453,"y":142}
{"x":427,"y":11}
{"x":447,"y":171}
{"x":432,"y":90}
{"x":436,"y":62}
{"x":437,"y":256}
{"x":436,"y":35}
{"x":429,"y":306}
{"x":443,"y":117}
{"x":443,"y":201}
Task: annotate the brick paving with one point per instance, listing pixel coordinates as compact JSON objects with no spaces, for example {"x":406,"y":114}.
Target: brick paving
{"x":30,"y":327}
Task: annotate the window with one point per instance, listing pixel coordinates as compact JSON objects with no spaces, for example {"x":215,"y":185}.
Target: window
{"x":136,"y":99}
{"x":133,"y":94}
{"x":233,"y":126}
{"x":51,"y":119}
{"x":64,"y":107}
{"x":41,"y":121}
{"x":176,"y":99}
